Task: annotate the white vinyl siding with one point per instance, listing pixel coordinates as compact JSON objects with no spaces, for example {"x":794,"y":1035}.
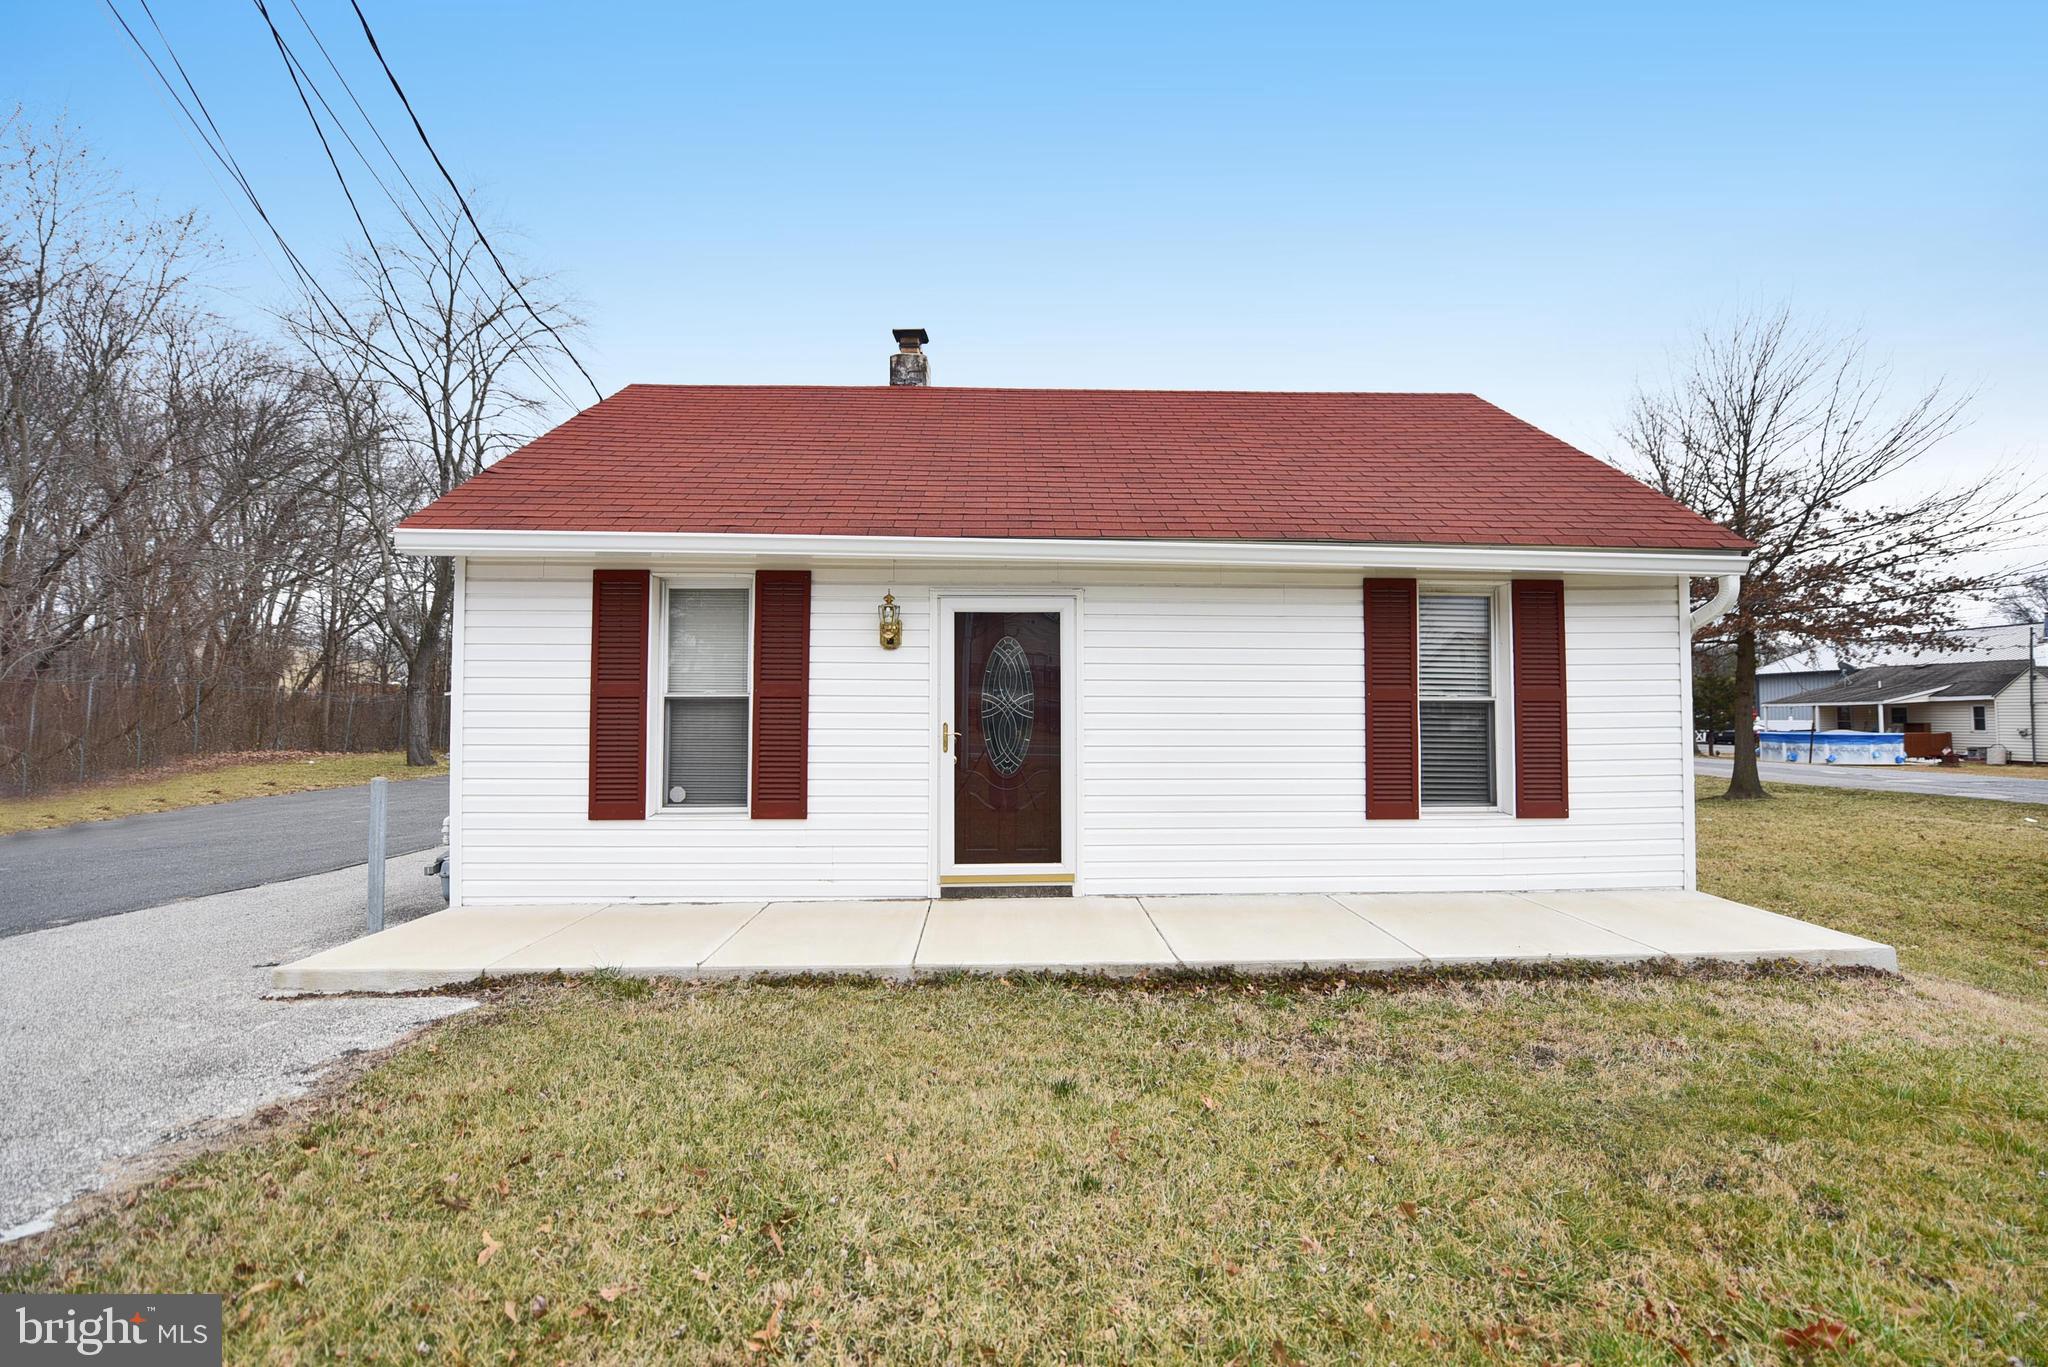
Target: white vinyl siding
{"x":2009,"y":721}
{"x":1957,"y":719}
{"x":1220,"y":736}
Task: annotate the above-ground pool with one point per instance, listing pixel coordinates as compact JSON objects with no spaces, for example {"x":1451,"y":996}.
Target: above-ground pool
{"x":1832,"y":747}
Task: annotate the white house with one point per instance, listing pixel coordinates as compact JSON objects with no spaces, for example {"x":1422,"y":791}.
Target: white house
{"x":1979,"y":704}
{"x":907,"y":641}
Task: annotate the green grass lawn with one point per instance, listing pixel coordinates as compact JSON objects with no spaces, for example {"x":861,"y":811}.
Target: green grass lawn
{"x":1632,"y":1168}
{"x":1958,"y":885}
{"x":223,"y":778}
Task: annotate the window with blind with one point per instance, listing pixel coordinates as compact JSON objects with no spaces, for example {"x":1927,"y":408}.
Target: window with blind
{"x":708,"y":703}
{"x":1454,"y":644}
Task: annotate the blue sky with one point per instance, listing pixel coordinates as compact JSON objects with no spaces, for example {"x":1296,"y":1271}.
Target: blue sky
{"x":1536,"y":203}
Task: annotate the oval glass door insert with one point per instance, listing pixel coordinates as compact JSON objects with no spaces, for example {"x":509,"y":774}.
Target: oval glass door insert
{"x":1007,"y":706}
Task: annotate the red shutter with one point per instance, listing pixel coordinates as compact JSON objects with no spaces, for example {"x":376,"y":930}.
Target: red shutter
{"x":618,"y":695}
{"x":1393,"y":782}
{"x":782,"y":694}
{"x":1540,"y":779}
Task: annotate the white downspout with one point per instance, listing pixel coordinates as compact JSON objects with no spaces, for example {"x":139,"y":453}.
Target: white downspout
{"x":1715,"y":608}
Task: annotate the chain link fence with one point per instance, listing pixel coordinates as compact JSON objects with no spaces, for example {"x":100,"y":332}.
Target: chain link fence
{"x":59,"y":732}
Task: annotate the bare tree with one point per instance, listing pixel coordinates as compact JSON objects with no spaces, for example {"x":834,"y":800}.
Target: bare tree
{"x":96,"y":339}
{"x":2025,"y":602}
{"x":439,"y":371}
{"x":1790,"y":439}
{"x":189,"y":514}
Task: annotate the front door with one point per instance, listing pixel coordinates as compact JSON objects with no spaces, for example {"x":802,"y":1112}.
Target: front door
{"x":1007,"y":777}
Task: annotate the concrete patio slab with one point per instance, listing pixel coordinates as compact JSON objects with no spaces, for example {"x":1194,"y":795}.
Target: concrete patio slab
{"x":869,"y":939}
{"x":446,"y":947}
{"x":1275,"y":934}
{"x":902,"y":939}
{"x":1698,"y":925}
{"x":646,"y":940}
{"x":1486,"y":927}
{"x":1026,"y":934}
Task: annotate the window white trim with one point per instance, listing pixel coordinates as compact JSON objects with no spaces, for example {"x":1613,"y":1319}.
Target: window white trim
{"x":658,"y":698}
{"x":1501,"y":679}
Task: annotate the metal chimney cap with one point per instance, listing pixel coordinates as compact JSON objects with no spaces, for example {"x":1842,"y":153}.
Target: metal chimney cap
{"x":910,"y":339}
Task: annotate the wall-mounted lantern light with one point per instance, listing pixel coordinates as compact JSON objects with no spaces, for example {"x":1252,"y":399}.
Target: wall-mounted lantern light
{"x":892,"y":622}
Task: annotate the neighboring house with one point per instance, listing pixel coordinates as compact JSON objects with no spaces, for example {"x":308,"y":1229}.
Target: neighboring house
{"x":1979,"y":703}
{"x":718,"y":642}
{"x":1820,"y":666}
{"x":1791,"y":675}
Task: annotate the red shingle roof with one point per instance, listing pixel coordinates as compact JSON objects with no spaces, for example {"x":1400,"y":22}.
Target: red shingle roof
{"x":1067,"y":463}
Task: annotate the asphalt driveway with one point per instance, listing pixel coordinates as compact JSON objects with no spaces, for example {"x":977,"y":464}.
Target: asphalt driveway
{"x":1890,"y":779}
{"x":102,"y":868}
{"x":121,"y":1033}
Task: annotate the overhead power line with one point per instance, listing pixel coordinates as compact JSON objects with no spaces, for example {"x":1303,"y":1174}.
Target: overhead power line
{"x":304,"y":80}
{"x":216,"y":144}
{"x":476,"y":227}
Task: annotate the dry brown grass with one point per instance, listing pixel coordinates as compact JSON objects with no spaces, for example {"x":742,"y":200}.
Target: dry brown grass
{"x":1621,"y":1167}
{"x":1958,"y":885}
{"x":202,"y":780}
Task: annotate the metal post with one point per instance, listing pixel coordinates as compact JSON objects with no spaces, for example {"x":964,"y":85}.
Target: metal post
{"x":85,"y":732}
{"x":377,"y":786}
{"x":28,"y":751}
{"x":2033,"y":722}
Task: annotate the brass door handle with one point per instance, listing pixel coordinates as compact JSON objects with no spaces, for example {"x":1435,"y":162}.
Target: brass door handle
{"x":945,"y":737}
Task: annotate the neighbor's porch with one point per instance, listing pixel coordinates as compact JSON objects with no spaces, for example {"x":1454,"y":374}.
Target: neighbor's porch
{"x":918,"y":938}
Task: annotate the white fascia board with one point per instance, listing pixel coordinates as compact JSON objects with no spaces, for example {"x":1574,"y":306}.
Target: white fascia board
{"x":1879,"y":700}
{"x":641,"y":546}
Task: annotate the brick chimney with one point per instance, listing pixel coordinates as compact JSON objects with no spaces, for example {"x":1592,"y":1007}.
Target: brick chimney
{"x":910,"y":365}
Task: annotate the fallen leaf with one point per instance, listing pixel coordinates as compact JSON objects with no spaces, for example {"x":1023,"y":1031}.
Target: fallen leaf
{"x":511,"y":1312}
{"x":774,"y":1235}
{"x":1311,"y":1244}
{"x":489,"y":1250}
{"x":763,"y":1339}
{"x":1208,"y":1103}
{"x":260,"y":1287}
{"x":890,"y":1159}
{"x":612,"y":1293}
{"x":1407,"y":1209}
{"x":1812,"y":1338}
{"x":702,"y":1274}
